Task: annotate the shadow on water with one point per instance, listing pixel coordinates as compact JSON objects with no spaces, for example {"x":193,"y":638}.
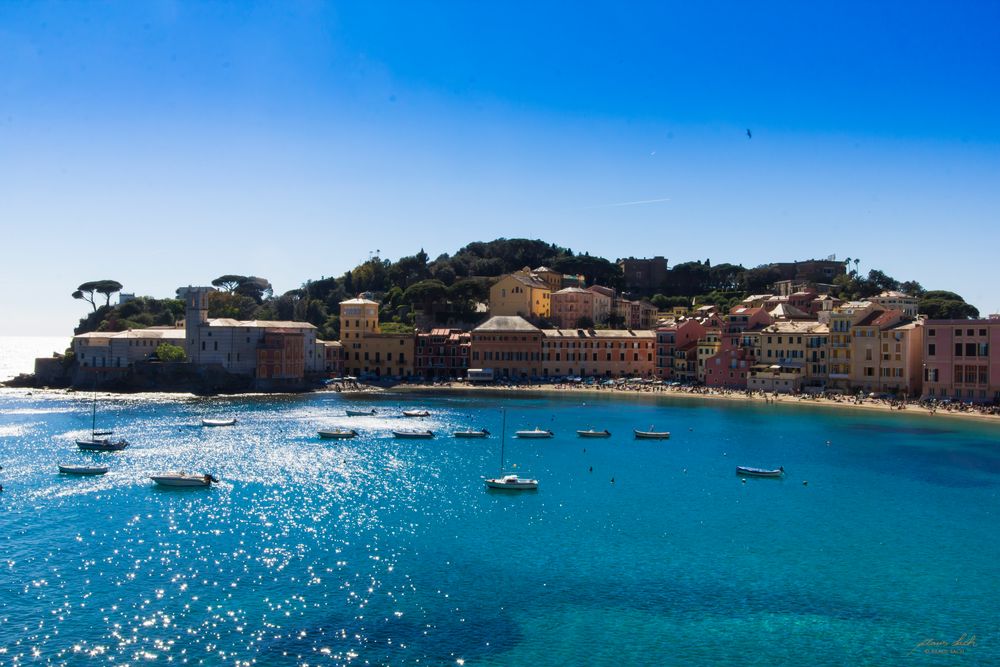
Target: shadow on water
{"x":471,"y":634}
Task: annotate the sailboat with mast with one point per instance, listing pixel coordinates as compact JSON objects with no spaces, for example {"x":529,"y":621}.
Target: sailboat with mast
{"x":100,"y":441}
{"x":509,"y":482}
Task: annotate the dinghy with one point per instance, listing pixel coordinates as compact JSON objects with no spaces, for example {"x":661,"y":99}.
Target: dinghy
{"x":183,"y":479}
{"x":82,"y":470}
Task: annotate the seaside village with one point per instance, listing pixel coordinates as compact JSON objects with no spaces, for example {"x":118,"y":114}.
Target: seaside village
{"x":795,"y":339}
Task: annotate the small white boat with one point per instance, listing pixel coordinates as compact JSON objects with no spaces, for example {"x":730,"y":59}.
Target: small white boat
{"x":339,"y":434}
{"x":481,"y":433}
{"x":102,"y":445}
{"x":82,"y":470}
{"x":185,"y":479}
{"x":360,"y":413}
{"x":651,"y":434}
{"x":591,"y":433}
{"x":535,"y":433}
{"x":512,"y":483}
{"x":759,"y":472}
{"x":416,"y":413}
{"x":414,"y":435}
{"x":218,"y":422}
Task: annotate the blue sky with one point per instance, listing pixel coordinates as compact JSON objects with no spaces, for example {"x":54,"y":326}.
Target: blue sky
{"x":163,"y":144}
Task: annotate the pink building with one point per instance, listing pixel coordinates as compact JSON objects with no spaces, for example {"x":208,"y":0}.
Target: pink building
{"x":571,"y":305}
{"x":729,"y":367}
{"x":962,"y":360}
{"x":669,"y":339}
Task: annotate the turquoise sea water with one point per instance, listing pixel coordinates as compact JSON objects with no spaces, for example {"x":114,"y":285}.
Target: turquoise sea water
{"x":383,"y":551}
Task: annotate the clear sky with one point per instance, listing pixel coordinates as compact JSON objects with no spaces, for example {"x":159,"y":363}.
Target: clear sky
{"x":165,"y":143}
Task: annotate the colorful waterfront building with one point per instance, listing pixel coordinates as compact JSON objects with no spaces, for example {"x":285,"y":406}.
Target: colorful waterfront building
{"x":961,"y":360}
{"x":601,"y":353}
{"x":679,"y":334}
{"x":509,"y":345}
{"x":369,"y":353}
{"x":792,"y":357}
{"x":739,"y":343}
{"x":443,"y":354}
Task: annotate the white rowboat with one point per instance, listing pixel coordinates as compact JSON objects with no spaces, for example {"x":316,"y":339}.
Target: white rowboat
{"x":82,"y":470}
{"x":482,"y":433}
{"x":594,"y":434}
{"x":651,"y":435}
{"x":414,"y":435}
{"x":416,"y":413}
{"x":338,"y":435}
{"x":218,"y":422}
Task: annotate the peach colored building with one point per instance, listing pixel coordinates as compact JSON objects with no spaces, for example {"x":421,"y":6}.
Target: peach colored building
{"x":367,"y":351}
{"x":509,"y":345}
{"x":610,"y":353}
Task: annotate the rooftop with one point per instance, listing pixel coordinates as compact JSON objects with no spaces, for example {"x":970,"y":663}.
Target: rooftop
{"x":506,"y":323}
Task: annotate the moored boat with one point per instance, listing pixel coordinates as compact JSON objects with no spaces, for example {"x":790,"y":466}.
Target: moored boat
{"x":360,"y":413}
{"x":102,"y":445}
{"x":82,"y":470}
{"x":416,"y":413}
{"x":535,"y":433}
{"x":650,"y":434}
{"x":183,"y":479}
{"x":481,"y":433}
{"x":591,"y":433}
{"x":760,"y":472}
{"x":218,"y":422}
{"x":512,"y":483}
{"x":338,"y":434}
{"x":414,"y":435}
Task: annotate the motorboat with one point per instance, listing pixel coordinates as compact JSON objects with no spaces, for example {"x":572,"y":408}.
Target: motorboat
{"x":591,"y":433}
{"x":361,"y":413}
{"x":481,"y":433}
{"x":184,"y":479}
{"x":338,"y":434}
{"x":535,"y":433}
{"x":416,"y":413}
{"x":650,"y":434}
{"x":102,"y":445}
{"x":82,"y":470}
{"x":218,"y":422}
{"x":759,"y":472}
{"x":512,"y":483}
{"x":414,"y":435}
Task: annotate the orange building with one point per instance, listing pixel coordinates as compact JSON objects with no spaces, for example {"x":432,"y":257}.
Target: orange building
{"x":598,"y":353}
{"x":509,"y":345}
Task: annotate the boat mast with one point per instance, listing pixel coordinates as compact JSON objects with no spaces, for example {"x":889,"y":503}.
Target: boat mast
{"x":93,"y":417}
{"x":503,"y":436}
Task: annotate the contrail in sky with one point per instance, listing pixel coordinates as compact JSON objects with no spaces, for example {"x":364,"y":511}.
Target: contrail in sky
{"x":629,"y":203}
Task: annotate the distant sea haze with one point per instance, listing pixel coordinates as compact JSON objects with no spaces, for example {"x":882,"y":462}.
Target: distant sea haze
{"x":17,"y":353}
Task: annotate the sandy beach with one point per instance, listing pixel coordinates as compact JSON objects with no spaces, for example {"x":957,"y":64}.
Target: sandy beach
{"x":984,"y":414}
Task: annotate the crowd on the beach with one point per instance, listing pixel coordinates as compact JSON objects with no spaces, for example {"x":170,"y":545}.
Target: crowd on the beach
{"x":646,"y":387}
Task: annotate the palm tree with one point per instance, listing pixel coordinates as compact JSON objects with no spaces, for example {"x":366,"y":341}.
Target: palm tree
{"x":856,"y":263}
{"x":847,"y":263}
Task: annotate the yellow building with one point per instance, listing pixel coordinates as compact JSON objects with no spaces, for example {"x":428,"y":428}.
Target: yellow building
{"x":367,"y":351}
{"x":523,"y":294}
{"x":708,"y":347}
{"x":792,"y":357}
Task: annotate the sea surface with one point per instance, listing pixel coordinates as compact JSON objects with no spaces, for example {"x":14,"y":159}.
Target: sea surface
{"x":17,"y":353}
{"x":379,"y":551}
